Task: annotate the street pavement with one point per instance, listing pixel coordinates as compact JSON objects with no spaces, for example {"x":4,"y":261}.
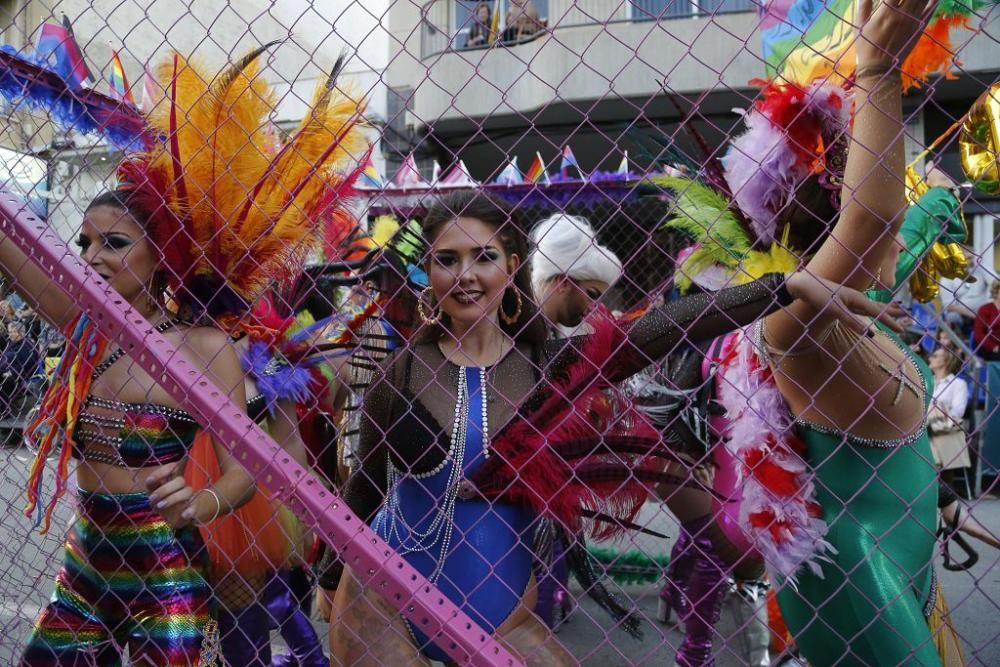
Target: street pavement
{"x":29,"y":561}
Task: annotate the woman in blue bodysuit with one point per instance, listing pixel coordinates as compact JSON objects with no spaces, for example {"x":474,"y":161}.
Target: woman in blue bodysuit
{"x":482,"y":363}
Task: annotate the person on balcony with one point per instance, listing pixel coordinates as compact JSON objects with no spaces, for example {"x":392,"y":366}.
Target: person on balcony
{"x":522,"y":21}
{"x":479,"y":30}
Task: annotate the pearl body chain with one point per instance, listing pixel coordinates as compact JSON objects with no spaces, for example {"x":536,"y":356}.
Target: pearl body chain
{"x":441,"y":527}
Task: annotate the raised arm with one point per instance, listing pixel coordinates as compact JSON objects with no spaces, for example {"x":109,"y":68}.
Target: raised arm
{"x":35,"y":285}
{"x":873,"y":195}
{"x":702,"y":317}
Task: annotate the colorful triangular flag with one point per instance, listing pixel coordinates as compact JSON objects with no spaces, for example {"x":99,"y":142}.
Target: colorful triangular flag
{"x":370,"y":179}
{"x":569,"y":161}
{"x":511,"y":174}
{"x":57,"y":41}
{"x":119,"y":81}
{"x":458,"y":177}
{"x":623,"y":166}
{"x":536,"y":173}
{"x":408,"y":176}
{"x":435,"y":173}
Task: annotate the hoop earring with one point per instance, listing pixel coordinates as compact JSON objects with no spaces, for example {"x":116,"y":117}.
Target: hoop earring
{"x":429,"y":321}
{"x":510,"y":320}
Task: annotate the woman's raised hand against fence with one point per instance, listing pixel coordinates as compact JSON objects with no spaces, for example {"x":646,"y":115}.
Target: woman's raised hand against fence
{"x":889,"y":31}
{"x":844,"y":303}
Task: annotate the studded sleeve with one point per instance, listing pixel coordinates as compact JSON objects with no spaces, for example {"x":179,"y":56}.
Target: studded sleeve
{"x":696,"y":318}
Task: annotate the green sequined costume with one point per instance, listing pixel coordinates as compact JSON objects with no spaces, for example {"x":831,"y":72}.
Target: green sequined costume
{"x":880,"y":502}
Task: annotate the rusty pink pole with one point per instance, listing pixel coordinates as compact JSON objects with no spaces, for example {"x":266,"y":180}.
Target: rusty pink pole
{"x":371,"y":559}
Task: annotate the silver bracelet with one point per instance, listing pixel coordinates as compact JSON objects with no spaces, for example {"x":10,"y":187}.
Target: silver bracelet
{"x":218,"y":503}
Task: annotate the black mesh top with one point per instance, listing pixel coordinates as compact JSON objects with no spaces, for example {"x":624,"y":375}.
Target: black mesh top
{"x":408,"y":412}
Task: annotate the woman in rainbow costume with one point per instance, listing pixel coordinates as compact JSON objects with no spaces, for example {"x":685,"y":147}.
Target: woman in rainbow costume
{"x":208,"y":217}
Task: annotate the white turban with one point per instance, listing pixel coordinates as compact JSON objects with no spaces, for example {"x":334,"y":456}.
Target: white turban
{"x":566,"y":245}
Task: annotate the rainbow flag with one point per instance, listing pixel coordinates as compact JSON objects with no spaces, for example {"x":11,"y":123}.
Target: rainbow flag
{"x":568,"y":161}
{"x":119,"y":82}
{"x":57,"y":41}
{"x":805,"y":40}
{"x":537,"y":173}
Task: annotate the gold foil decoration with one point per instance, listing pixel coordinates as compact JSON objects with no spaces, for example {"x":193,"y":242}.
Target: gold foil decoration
{"x":916,"y":187}
{"x":979,"y":142}
{"x":943,"y":260}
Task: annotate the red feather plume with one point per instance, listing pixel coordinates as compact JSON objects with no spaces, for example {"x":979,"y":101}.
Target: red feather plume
{"x":568,"y":454}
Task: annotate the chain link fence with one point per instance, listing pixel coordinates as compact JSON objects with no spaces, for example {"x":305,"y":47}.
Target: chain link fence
{"x":515,"y":332}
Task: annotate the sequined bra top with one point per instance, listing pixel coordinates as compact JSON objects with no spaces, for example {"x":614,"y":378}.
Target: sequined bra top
{"x":132,"y":435}
{"x":146,"y":434}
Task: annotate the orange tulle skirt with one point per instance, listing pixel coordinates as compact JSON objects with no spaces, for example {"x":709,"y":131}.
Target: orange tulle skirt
{"x":260,"y":536}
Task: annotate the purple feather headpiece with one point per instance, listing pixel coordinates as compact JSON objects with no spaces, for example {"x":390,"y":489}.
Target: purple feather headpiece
{"x":792,"y":133}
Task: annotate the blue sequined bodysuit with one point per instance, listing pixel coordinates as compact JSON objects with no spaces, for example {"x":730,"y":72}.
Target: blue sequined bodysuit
{"x":475,"y":551}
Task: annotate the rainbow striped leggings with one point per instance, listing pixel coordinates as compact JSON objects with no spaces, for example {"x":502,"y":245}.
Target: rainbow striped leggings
{"x":129,"y":580}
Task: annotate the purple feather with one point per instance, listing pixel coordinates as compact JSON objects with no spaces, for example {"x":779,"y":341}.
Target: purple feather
{"x":276,"y":378}
{"x":761,"y":170}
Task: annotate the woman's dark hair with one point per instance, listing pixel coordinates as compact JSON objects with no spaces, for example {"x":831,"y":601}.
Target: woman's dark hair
{"x":810,"y":216}
{"x":123,"y":200}
{"x":494,"y":213}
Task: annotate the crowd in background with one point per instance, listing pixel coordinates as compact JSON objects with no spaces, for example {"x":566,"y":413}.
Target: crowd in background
{"x":26,"y":342}
{"x":962,"y":338}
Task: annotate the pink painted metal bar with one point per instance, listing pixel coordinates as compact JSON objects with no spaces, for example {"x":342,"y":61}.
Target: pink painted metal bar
{"x":372,"y":560}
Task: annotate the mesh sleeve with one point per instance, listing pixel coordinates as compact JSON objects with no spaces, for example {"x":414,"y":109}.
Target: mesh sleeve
{"x":696,"y":318}
{"x":365,"y":488}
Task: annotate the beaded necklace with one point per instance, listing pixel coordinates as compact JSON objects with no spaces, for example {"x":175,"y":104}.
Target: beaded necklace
{"x":442,"y":525}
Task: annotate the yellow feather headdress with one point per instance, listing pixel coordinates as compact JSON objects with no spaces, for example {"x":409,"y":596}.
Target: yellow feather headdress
{"x":233,"y":210}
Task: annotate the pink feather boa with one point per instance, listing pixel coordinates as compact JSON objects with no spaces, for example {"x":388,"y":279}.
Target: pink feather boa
{"x":779,"y":510}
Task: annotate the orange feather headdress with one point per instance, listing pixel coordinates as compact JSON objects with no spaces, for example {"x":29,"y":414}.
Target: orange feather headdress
{"x":233,"y":211}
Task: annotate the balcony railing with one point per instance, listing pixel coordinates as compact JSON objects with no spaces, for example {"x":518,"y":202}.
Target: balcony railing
{"x":439,"y":32}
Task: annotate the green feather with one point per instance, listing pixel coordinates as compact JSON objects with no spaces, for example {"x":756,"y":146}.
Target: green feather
{"x":704,"y":214}
{"x":960,"y":7}
{"x":409,"y":242}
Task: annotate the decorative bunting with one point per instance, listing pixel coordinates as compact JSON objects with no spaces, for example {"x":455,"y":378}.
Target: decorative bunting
{"x":408,"y":177}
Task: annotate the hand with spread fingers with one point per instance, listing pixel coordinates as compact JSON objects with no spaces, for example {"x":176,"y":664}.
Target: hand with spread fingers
{"x":844,"y":303}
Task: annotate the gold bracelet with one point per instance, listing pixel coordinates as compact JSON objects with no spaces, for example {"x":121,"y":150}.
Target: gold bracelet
{"x":218,"y":503}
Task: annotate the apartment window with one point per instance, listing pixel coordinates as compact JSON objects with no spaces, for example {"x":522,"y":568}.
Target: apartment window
{"x":463,"y":18}
{"x":654,"y":10}
{"x":724,"y":6}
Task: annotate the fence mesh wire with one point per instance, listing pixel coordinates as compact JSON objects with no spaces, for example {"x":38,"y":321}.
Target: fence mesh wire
{"x":563,"y":300}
